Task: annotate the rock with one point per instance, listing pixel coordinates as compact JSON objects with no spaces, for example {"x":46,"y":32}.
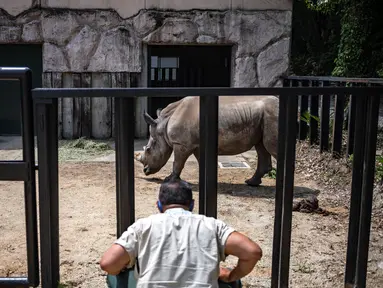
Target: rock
{"x":205,"y":39}
{"x":145,"y":22}
{"x":58,"y":28}
{"x":32,"y":32}
{"x":54,"y":59}
{"x":118,"y":51}
{"x":10,"y":34}
{"x":273,"y":62}
{"x":80,"y":49}
{"x":174,"y":31}
{"x":245,"y":72}
{"x":210,"y":23}
{"x":101,"y":20}
{"x":253,"y":31}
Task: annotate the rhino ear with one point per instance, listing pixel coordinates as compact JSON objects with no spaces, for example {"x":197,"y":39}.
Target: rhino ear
{"x":149,"y":119}
{"x":158,"y":112}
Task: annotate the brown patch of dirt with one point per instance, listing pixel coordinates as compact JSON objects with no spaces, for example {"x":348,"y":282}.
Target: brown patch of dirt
{"x":88,"y":221}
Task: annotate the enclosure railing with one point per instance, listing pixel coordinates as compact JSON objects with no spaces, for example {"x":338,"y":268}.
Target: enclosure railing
{"x":316,"y":121}
{"x":24,"y":171}
{"x":366,"y":116}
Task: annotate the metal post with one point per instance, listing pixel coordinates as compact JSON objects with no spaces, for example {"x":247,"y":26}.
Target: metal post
{"x":324,"y":121}
{"x":30,"y":185}
{"x":288,"y":191}
{"x":314,"y":101}
{"x":356,"y":187}
{"x":124,"y":125}
{"x":351,"y":125}
{"x":279,"y":190}
{"x":47,"y":142}
{"x":201,"y":161}
{"x":304,"y":104}
{"x":338,"y":125}
{"x":367,"y":190}
{"x":209,"y":140}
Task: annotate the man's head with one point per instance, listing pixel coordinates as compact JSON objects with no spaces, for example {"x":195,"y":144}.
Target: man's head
{"x":176,"y":193}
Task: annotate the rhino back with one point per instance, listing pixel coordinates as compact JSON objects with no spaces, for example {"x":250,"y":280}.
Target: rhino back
{"x":240,"y":122}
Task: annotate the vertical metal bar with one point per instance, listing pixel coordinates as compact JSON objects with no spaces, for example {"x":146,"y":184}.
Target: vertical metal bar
{"x":324,"y":121}
{"x":356,"y":187}
{"x":314,"y":101}
{"x":367,"y":190}
{"x":288,"y":191}
{"x":338,"y":124}
{"x":210,"y":143}
{"x":47,"y":142}
{"x":304,"y":105}
{"x":279,"y":190}
{"x":202,"y":167}
{"x":124,"y":119}
{"x":351,"y":125}
{"x":30,"y":185}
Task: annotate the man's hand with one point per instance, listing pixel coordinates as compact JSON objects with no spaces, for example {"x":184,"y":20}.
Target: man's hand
{"x":224,"y":274}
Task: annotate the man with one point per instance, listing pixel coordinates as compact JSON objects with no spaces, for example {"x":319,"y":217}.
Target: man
{"x":179,"y":249}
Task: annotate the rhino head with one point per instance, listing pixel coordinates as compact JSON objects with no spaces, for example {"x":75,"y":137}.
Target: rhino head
{"x":157,"y":152}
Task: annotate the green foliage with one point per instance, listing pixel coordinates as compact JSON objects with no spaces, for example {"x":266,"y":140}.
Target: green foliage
{"x":305,"y":116}
{"x":337,"y":37}
{"x":379,"y":168}
{"x":359,"y":53}
{"x":272,"y":174}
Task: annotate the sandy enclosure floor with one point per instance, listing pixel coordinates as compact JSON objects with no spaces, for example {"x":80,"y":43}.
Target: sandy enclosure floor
{"x":88,"y":225}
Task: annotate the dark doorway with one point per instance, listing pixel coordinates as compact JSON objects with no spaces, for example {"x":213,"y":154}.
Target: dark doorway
{"x":10,"y":98}
{"x":186,"y":66}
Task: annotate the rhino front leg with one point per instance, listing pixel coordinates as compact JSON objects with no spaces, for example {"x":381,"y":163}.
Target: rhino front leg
{"x":263,"y":165}
{"x":181,"y":154}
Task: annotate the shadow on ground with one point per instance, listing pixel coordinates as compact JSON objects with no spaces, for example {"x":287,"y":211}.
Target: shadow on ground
{"x":243,"y":190}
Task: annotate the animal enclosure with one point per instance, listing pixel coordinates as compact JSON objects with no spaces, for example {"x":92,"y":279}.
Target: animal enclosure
{"x":47,"y":130}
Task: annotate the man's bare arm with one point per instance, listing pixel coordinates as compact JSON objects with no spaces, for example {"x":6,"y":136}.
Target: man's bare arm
{"x":114,"y":259}
{"x":247,"y":251}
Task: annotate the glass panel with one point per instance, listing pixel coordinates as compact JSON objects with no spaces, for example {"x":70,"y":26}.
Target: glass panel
{"x":159,"y":74}
{"x":153,"y":71}
{"x":167,"y":74}
{"x":154,"y":62}
{"x":174,"y":74}
{"x":169,"y":62}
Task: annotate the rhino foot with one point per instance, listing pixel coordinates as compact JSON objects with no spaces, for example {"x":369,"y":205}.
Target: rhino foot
{"x":172,"y":177}
{"x":254,"y":181}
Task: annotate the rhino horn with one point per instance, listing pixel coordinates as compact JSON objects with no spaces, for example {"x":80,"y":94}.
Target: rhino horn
{"x":138,"y":157}
{"x":149,"y":119}
{"x":158,"y":112}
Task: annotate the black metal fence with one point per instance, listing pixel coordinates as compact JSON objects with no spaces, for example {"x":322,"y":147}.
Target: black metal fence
{"x":316,"y":121}
{"x":366,"y":117}
{"x":24,"y":171}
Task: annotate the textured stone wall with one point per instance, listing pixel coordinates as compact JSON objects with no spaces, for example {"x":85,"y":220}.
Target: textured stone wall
{"x":101,"y":41}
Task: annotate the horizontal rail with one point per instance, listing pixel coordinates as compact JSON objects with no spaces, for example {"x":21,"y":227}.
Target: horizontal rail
{"x":336,"y":79}
{"x":13,"y":171}
{"x":14,"y":282}
{"x":52,"y":93}
{"x":11,"y":73}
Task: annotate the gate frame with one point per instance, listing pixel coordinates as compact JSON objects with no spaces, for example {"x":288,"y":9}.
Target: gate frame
{"x":46,"y":103}
{"x":24,"y":171}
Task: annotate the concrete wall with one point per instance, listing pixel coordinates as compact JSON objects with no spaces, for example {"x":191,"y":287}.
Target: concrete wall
{"x":128,"y":8}
{"x":102,"y":42}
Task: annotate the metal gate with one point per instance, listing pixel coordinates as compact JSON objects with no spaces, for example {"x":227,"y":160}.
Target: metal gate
{"x":24,"y":171}
{"x":363,"y":167}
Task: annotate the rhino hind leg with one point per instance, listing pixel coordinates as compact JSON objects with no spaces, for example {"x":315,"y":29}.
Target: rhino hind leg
{"x":264,"y":166}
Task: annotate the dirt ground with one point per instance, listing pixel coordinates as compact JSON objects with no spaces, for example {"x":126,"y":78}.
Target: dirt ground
{"x":88,"y":224}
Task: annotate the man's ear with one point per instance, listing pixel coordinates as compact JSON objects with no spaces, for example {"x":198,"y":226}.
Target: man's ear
{"x":191,"y":206}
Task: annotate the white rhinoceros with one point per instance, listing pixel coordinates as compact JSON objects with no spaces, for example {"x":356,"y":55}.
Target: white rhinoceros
{"x":244,"y":122}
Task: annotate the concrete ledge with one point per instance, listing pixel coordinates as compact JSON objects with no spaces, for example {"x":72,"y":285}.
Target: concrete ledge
{"x":129,"y":8}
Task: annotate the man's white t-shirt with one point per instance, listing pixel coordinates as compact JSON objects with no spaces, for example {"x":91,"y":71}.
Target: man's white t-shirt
{"x":176,"y":249}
